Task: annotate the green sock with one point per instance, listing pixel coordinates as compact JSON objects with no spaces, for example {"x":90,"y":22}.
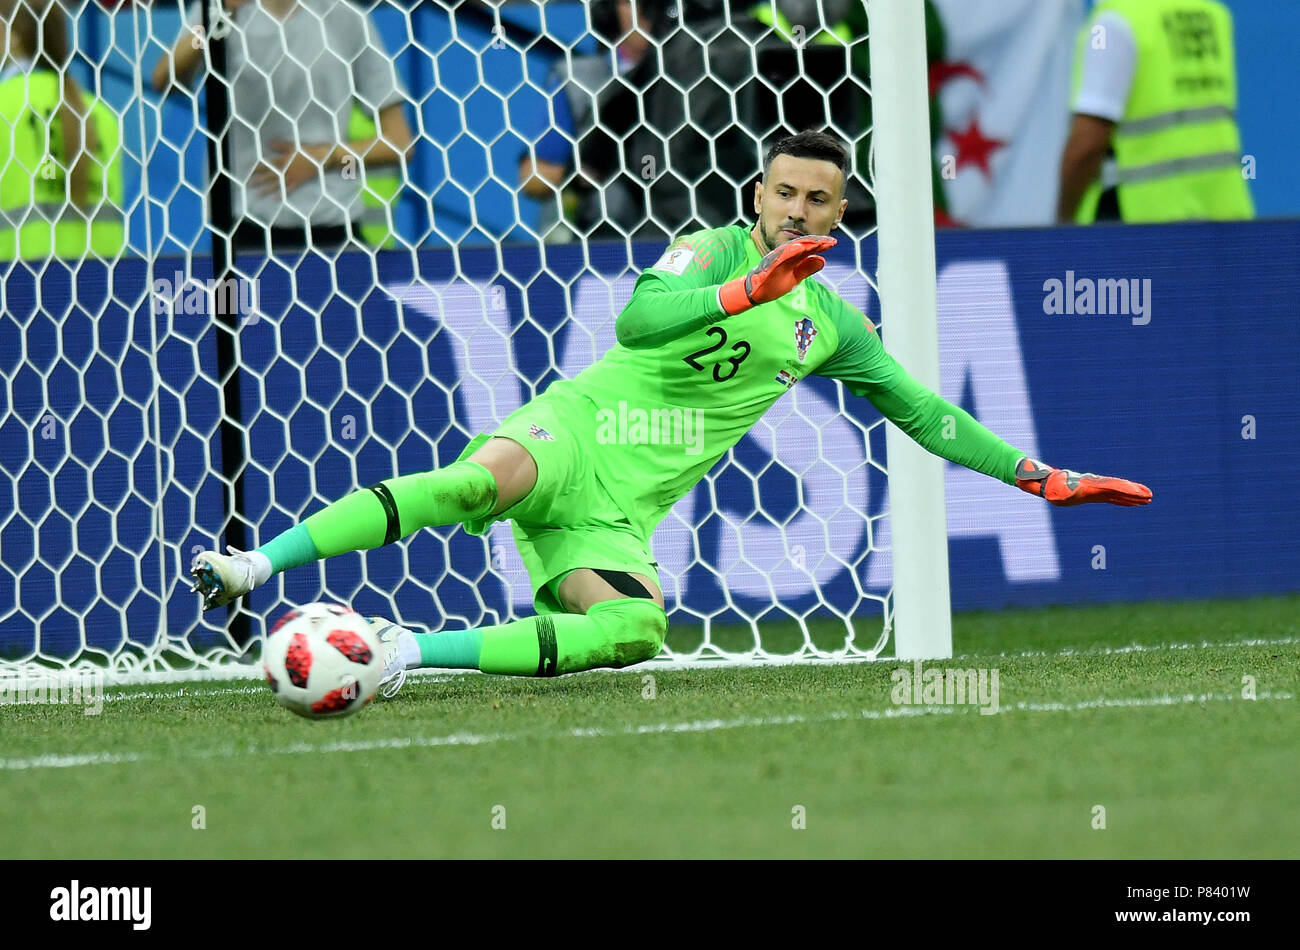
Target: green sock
{"x":293,"y":548}
{"x":614,"y":633}
{"x":453,"y":650}
{"x":390,"y":510}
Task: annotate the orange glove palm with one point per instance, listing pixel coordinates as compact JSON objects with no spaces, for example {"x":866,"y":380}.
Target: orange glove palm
{"x":780,"y":270}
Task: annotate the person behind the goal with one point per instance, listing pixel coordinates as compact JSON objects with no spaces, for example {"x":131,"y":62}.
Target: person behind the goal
{"x":724,"y":323}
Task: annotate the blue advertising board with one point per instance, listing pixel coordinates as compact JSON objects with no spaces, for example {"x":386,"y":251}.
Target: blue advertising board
{"x":1165,"y":354}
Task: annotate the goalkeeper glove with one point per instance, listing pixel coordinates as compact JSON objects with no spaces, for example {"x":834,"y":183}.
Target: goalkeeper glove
{"x":1063,"y":487}
{"x":776,"y":274}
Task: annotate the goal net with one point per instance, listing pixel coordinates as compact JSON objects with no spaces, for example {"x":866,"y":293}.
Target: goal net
{"x":167,"y":390}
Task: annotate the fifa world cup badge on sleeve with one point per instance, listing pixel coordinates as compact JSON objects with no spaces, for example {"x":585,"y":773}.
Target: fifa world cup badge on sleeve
{"x":675,"y":260}
{"x":804,"y":331}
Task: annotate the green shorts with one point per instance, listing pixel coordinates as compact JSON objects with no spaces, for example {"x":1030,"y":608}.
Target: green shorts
{"x":568,"y":521}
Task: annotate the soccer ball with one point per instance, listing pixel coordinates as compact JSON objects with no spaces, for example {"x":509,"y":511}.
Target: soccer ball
{"x":323,"y":661}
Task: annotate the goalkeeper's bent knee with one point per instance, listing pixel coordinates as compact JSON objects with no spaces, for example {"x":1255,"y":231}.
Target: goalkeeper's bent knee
{"x":613,"y":633}
{"x":633,"y":630}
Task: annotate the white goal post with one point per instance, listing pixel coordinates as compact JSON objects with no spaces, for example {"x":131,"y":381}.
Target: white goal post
{"x":139,"y":412}
{"x":909,"y":311}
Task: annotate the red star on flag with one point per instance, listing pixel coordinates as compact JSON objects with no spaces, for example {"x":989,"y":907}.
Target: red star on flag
{"x":974,"y":147}
{"x":942,"y":72}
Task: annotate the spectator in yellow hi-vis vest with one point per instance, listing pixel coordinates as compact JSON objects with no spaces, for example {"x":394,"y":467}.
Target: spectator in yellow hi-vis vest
{"x":1154,"y":135}
{"x":60,"y":167}
{"x":379,"y":192}
{"x":800,"y":21}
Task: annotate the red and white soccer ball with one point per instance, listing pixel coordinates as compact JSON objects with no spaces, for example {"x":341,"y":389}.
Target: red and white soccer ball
{"x":323,"y":661}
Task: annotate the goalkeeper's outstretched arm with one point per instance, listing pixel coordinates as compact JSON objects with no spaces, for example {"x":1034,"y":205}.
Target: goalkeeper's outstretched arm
{"x":952,"y":433}
{"x":862,"y":364}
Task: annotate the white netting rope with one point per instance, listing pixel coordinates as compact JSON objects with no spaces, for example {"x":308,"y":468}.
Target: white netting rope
{"x":352,"y":367}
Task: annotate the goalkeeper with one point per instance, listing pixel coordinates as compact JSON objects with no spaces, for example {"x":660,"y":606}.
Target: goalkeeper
{"x":718,"y":329}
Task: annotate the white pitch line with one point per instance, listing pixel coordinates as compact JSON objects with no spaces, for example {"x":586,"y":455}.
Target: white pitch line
{"x":705,"y":725}
{"x":1142,"y":648}
{"x":184,"y":692}
{"x":73,"y":761}
{"x":444,"y":676}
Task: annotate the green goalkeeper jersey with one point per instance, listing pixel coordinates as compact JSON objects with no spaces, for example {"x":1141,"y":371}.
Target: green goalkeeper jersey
{"x":686,"y":381}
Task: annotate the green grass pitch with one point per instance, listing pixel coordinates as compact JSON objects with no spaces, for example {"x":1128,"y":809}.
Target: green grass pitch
{"x":1134,"y":709}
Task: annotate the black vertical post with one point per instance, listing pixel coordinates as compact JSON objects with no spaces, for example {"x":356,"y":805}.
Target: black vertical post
{"x":225,"y":308}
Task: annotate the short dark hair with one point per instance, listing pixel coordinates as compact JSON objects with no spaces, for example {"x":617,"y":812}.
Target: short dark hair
{"x":810,"y":144}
